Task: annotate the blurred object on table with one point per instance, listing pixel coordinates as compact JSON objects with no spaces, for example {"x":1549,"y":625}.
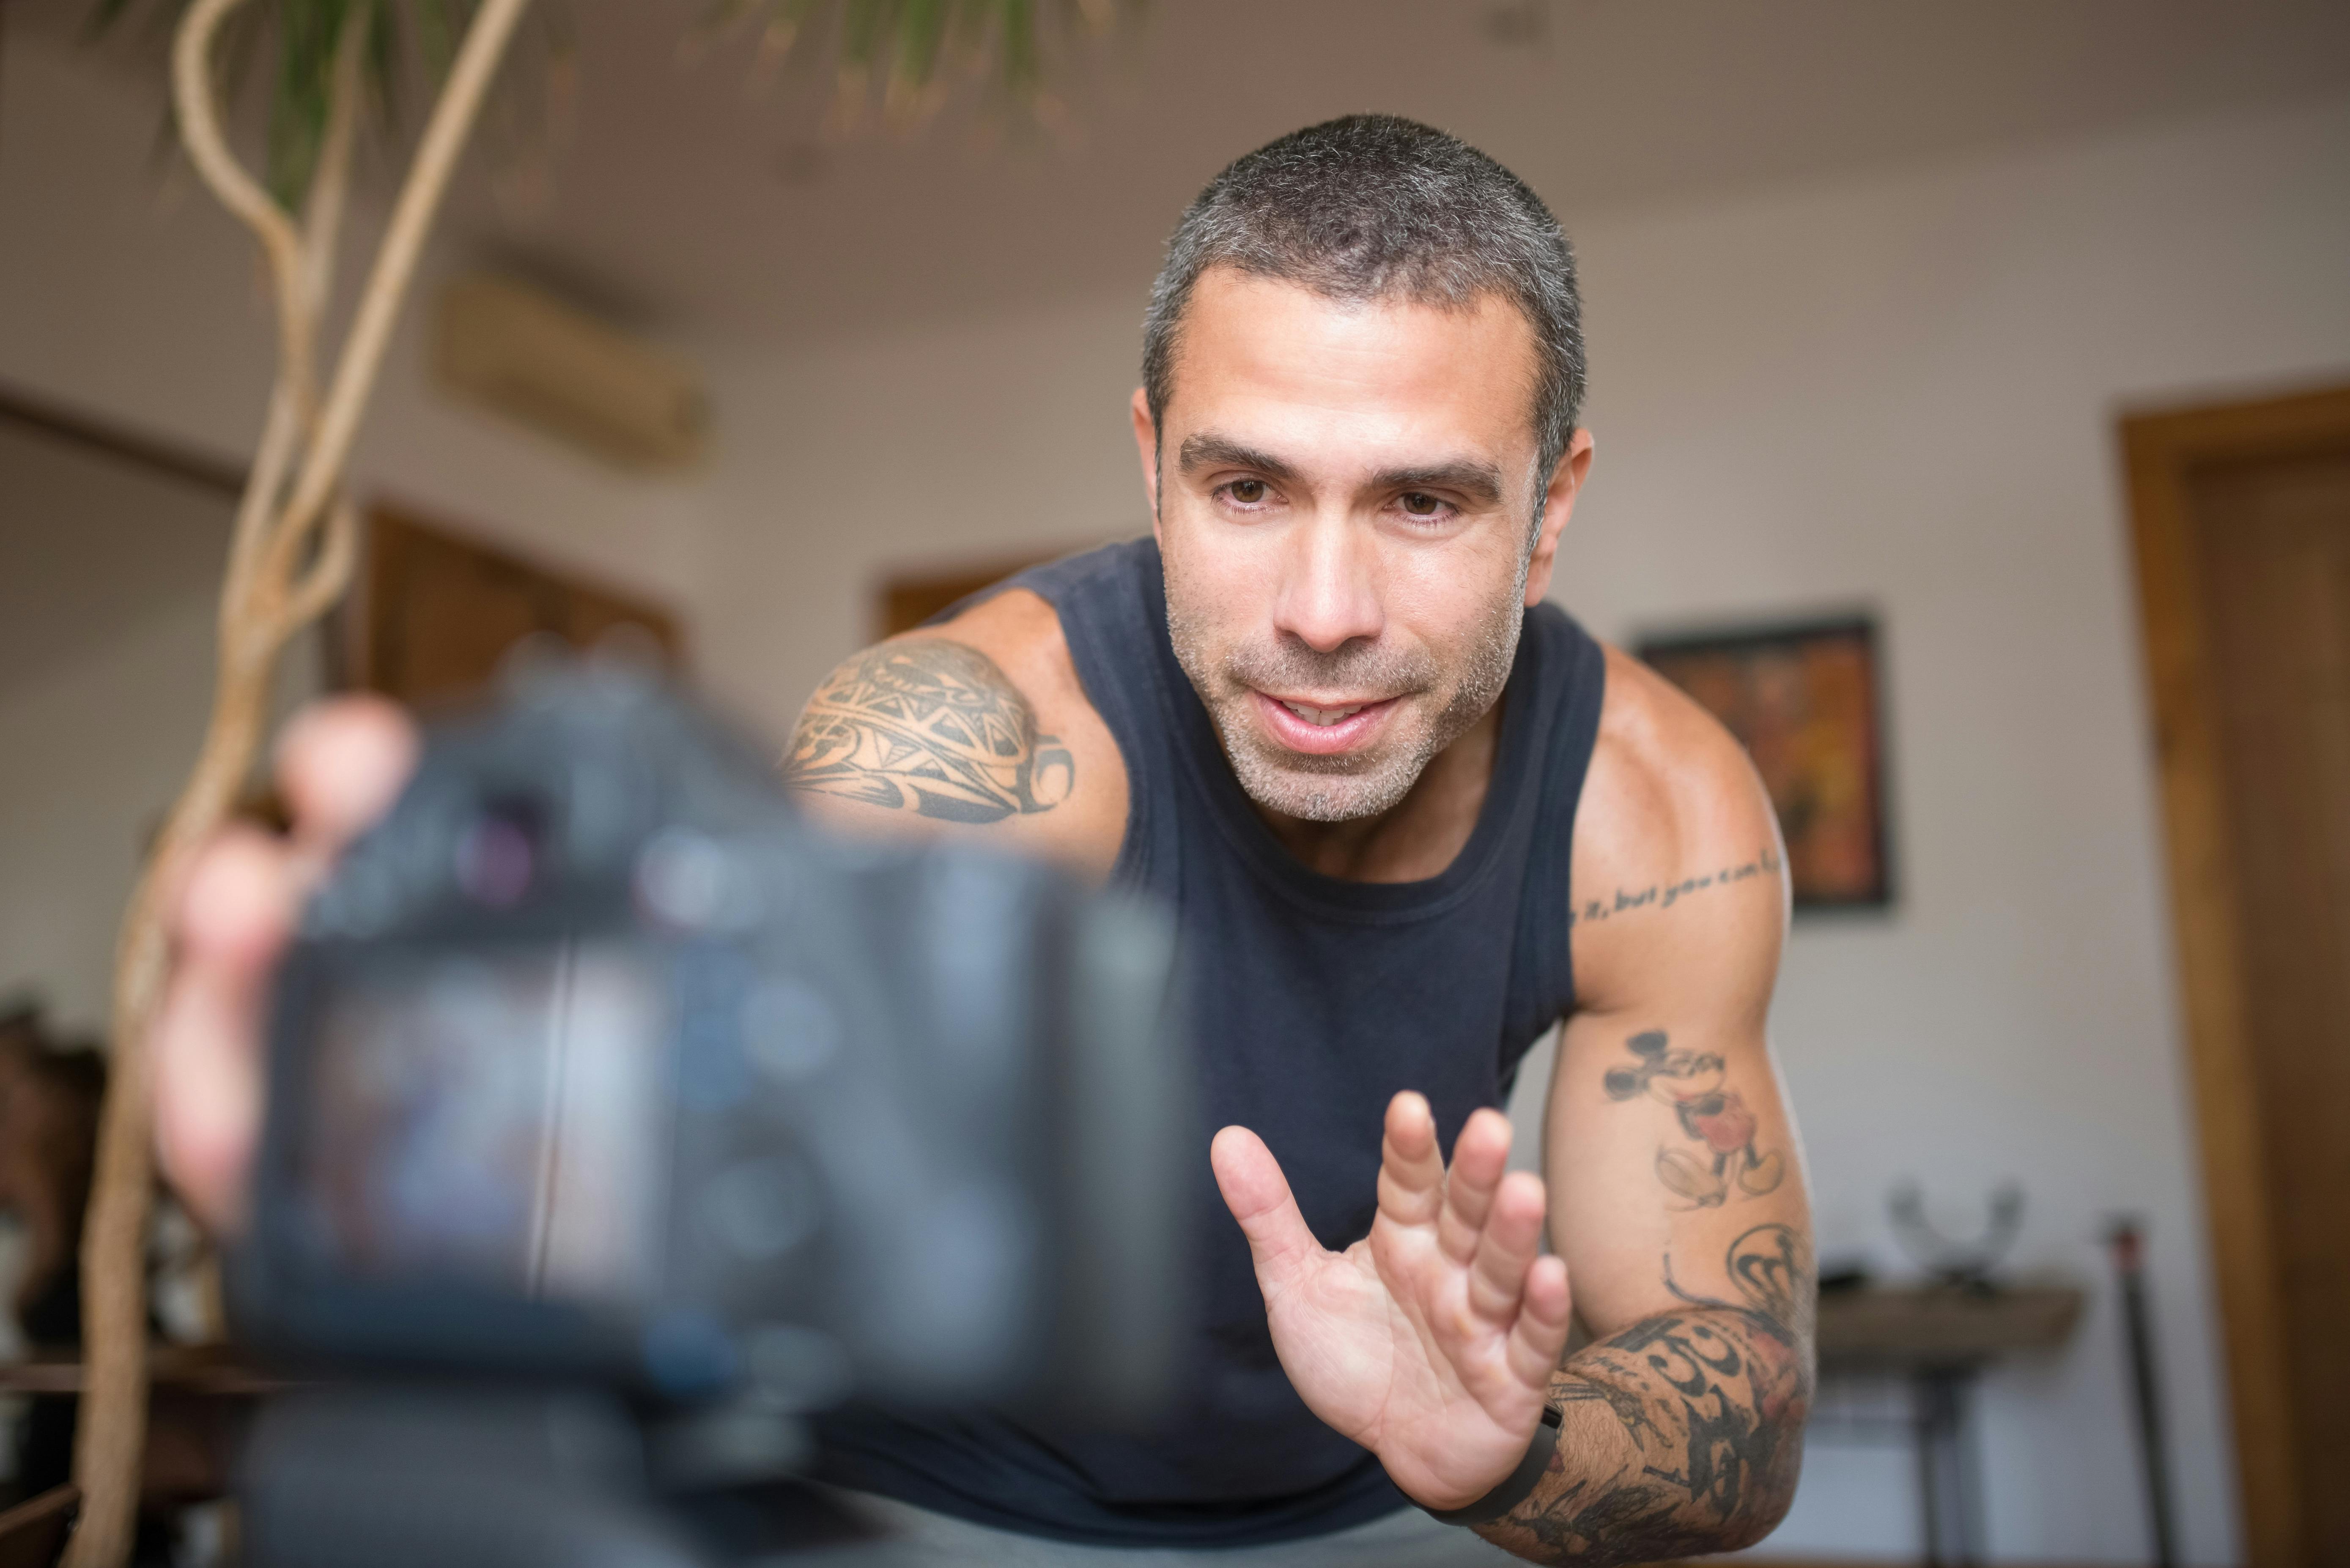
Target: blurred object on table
{"x":1966,"y":1264}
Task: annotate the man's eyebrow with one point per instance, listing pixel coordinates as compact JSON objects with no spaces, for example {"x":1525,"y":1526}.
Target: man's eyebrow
{"x":1480,"y":482}
{"x":1208,"y":450}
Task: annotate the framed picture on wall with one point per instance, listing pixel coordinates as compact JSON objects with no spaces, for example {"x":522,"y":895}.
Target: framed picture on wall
{"x":1803,"y":698}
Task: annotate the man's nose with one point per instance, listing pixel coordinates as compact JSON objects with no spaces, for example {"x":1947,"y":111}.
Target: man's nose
{"x":1329,"y":593}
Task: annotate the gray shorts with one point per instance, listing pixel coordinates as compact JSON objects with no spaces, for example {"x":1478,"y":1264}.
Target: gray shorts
{"x":1406,"y":1538}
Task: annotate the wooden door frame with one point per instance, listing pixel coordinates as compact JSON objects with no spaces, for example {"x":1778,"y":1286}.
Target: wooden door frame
{"x":2162,"y":452}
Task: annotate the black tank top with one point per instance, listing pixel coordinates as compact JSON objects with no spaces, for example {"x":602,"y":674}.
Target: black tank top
{"x":1314,"y":1000}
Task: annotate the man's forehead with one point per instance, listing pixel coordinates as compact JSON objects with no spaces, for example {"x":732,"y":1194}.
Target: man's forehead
{"x":1270,"y":344}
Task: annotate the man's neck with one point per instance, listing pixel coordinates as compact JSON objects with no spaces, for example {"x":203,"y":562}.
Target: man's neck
{"x":1416,"y":839}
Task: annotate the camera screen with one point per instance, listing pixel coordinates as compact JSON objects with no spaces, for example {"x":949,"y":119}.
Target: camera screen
{"x":496,"y":1118}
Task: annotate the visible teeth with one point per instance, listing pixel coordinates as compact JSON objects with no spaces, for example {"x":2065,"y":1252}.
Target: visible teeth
{"x":1324,"y":715}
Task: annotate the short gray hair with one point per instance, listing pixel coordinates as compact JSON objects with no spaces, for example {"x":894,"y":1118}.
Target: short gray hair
{"x":1373,"y":207}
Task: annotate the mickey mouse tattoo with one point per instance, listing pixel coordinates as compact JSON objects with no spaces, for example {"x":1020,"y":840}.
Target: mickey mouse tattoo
{"x":1691,"y":1081}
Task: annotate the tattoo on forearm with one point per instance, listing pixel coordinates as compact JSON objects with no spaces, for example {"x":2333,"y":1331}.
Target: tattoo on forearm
{"x":928,"y":726}
{"x":1712,"y":1400}
{"x":1690,"y":1083}
{"x":1631,"y":1411}
{"x":1665,"y":895}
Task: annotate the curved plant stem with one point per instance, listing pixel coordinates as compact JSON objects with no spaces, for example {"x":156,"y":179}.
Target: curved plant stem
{"x":287,"y":563}
{"x":208,"y":149}
{"x":322,"y":210}
{"x":395,"y":260}
{"x":290,"y":411}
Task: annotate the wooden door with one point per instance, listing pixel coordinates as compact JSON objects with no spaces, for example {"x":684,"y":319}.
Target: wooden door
{"x":436,"y":611}
{"x":2243,"y":533}
{"x":908,"y":599}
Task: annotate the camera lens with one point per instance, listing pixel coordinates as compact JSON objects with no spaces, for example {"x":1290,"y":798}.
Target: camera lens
{"x":498,"y":856}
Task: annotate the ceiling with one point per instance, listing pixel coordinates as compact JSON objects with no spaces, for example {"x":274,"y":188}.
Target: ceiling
{"x":689,"y":198}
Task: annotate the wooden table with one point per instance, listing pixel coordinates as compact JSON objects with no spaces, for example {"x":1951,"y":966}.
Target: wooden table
{"x":195,"y":1369}
{"x":199,"y":1398}
{"x":1940,"y":1338}
{"x":33,"y":1533}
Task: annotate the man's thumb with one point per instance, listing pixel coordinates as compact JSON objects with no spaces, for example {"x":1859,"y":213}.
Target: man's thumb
{"x":1259,"y":1197}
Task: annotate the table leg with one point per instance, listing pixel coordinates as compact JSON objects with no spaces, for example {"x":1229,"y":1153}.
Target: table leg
{"x":1948,"y":1499}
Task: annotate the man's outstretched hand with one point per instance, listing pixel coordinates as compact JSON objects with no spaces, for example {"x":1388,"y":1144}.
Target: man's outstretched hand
{"x":1431,"y":1342}
{"x":339,"y":767}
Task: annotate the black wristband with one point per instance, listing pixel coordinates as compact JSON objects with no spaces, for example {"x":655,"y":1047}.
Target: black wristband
{"x":1516,"y":1487}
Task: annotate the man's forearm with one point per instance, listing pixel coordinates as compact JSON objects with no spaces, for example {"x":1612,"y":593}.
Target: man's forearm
{"x":1683,"y":1433}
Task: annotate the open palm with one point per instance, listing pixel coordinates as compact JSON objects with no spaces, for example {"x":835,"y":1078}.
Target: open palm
{"x":1432,"y":1340}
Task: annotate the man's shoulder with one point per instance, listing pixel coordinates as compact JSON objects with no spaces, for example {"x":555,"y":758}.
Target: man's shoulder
{"x":1019,"y":624}
{"x":1674,"y":759}
{"x":1667,"y":782}
{"x":1672,"y":816}
{"x":1018,"y":627}
{"x":1019,"y":631}
{"x":977,"y":723}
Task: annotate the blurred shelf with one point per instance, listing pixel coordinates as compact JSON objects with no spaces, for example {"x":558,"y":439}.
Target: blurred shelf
{"x":181,"y":1369}
{"x":1936,"y":1325}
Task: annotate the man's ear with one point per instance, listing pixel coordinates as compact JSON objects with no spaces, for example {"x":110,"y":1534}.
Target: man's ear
{"x":1146,"y":444}
{"x":1558,"y":505}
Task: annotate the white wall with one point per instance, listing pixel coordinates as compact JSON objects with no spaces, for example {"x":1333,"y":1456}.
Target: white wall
{"x":982,"y":444}
{"x":1896,"y":391}
{"x":129,"y":292}
{"x":99,"y":745}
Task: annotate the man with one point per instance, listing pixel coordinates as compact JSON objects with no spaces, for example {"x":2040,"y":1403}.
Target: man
{"x":1409,"y":816}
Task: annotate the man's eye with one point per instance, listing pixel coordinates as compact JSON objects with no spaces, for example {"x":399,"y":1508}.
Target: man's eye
{"x":1419,"y":504}
{"x":1247,"y":492}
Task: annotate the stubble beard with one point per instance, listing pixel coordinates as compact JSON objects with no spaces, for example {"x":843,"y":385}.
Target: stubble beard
{"x":1349,"y":786}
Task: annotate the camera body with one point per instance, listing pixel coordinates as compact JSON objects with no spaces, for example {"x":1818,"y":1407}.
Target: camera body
{"x":595,"y":1063}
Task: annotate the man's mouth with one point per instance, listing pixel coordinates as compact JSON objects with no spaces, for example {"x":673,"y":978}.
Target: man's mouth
{"x":1322,"y":729}
{"x":1324,"y":715}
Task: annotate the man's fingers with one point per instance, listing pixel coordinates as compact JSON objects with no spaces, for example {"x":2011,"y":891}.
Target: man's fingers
{"x":235,"y":911}
{"x":1512,"y":1238}
{"x":1412,"y":1168}
{"x":340,"y":765}
{"x":1480,"y":1156}
{"x":1259,"y":1197}
{"x":1538,"y":1339}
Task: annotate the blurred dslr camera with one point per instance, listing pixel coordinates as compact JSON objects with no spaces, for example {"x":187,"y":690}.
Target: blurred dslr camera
{"x":595,"y":1068}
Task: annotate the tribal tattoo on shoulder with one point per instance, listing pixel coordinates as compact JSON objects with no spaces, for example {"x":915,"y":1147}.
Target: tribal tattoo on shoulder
{"x":1713,"y":1117}
{"x":932,"y":727}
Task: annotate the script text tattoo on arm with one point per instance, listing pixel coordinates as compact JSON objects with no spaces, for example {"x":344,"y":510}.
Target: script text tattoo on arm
{"x":1714,"y":1117}
{"x":1660,"y":896}
{"x":1711,"y":1399}
{"x":932,"y":727}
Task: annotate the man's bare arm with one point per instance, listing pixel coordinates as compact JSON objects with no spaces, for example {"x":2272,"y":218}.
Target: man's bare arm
{"x":1676,"y":1178}
{"x":1681,"y":1435}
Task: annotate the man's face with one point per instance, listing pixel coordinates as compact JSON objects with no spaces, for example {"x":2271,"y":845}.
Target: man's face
{"x":1344,"y":493}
